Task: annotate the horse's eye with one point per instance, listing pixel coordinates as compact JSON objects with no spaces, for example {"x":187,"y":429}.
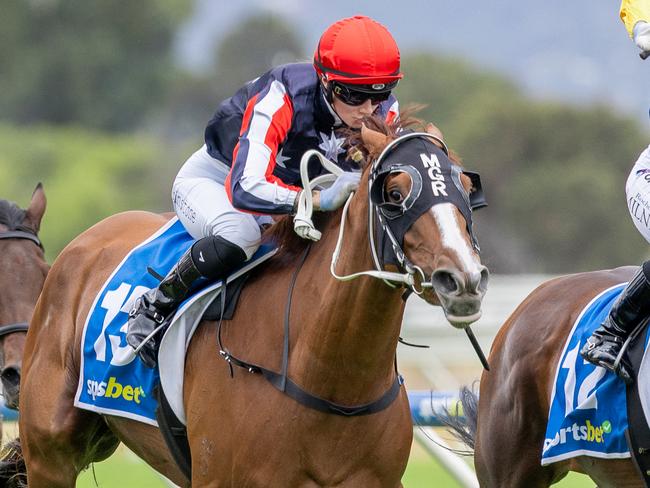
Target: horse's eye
{"x":395,"y":196}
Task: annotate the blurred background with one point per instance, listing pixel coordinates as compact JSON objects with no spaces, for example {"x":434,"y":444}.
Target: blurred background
{"x":103,"y":101}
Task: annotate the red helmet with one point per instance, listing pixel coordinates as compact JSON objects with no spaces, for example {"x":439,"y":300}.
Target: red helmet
{"x":358,"y":50}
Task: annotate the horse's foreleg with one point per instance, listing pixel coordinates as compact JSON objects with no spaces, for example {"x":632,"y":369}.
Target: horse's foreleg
{"x":610,"y":473}
{"x":57,"y":448}
{"x":58,"y":440}
{"x":510,"y":435}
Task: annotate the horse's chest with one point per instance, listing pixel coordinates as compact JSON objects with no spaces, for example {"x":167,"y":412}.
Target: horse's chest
{"x":327,"y":454}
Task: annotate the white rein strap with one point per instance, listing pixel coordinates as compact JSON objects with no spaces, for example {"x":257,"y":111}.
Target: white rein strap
{"x":304,"y":226}
{"x":302,"y":223}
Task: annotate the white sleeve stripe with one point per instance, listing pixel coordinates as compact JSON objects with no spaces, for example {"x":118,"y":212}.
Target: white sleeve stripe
{"x":394,"y":108}
{"x":253,"y":179}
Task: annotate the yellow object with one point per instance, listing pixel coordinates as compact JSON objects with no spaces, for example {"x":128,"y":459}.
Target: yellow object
{"x":633,"y":11}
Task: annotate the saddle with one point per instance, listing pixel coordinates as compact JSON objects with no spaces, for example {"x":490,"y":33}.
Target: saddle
{"x":172,"y":429}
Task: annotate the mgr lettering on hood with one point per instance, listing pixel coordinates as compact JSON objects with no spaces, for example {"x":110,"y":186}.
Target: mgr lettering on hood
{"x":432,"y":164}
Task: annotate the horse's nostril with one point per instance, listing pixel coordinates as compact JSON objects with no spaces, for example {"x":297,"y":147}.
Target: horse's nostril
{"x":444,"y":281}
{"x":10,"y":375}
{"x":485,"y":277}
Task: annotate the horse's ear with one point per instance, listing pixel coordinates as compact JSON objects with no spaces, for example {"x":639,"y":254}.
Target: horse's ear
{"x":375,"y":141}
{"x":467,"y":183}
{"x":434,"y":131}
{"x":36,"y":208}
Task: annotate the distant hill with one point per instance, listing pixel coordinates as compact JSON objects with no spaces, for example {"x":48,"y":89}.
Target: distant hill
{"x":575,"y":50}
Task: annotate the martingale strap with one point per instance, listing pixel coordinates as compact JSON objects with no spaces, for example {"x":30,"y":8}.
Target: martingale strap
{"x":283,"y":383}
{"x":291,"y":389}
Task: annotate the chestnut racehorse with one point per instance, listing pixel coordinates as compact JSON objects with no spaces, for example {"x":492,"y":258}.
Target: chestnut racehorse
{"x":22,"y":274}
{"x":514,"y":398}
{"x":242,"y":431}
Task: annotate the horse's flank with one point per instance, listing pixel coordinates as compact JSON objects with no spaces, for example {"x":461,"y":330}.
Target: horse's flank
{"x":515,"y":394}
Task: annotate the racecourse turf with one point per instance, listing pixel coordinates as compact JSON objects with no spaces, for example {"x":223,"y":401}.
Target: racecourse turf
{"x":124,"y":469}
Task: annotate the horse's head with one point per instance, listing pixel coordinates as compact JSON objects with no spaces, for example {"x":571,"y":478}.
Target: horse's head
{"x":422,"y":202}
{"x":22,"y":273}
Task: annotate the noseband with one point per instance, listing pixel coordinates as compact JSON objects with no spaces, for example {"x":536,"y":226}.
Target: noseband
{"x":21,"y":234}
{"x":29,"y":236}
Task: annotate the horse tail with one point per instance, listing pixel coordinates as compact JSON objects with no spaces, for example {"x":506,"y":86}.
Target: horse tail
{"x":13,"y":473}
{"x":463,"y":427}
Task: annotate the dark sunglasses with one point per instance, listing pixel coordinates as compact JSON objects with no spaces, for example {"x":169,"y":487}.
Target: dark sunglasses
{"x":356,"y":95}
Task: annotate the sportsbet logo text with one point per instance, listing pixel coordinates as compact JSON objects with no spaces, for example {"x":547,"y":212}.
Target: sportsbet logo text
{"x":115,"y":390}
{"x":587,"y":432}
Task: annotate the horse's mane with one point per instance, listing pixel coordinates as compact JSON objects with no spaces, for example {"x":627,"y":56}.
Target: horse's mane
{"x":11,"y":215}
{"x":282,"y":233}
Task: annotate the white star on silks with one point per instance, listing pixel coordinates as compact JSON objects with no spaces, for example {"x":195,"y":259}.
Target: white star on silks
{"x":331,"y":145}
{"x":281,"y":158}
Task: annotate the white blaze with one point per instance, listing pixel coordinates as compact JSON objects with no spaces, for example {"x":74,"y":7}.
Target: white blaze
{"x":452,"y":236}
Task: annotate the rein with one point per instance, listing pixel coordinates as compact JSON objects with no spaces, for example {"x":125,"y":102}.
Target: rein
{"x":304,"y":227}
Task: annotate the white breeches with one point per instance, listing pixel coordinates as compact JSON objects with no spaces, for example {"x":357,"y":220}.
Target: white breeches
{"x":203,"y":207}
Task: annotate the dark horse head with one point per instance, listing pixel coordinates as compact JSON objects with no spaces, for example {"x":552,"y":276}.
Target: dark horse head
{"x":22,"y":273}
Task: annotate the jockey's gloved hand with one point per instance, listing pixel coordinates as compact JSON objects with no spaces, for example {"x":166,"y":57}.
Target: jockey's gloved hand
{"x":333,"y":197}
{"x":642,"y":35}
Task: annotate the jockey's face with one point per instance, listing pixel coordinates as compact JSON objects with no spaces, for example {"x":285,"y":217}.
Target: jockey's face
{"x":352,"y":115}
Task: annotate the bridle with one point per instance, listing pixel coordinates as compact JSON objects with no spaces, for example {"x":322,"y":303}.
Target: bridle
{"x":411,"y":275}
{"x":7,"y":329}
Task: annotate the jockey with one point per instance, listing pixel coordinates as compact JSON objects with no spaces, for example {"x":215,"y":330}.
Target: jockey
{"x":248,"y":169}
{"x":635,"y":14}
{"x":633,"y":305}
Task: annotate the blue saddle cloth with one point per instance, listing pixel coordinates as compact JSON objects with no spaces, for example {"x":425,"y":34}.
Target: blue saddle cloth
{"x":588,"y":414}
{"x":112,"y":378}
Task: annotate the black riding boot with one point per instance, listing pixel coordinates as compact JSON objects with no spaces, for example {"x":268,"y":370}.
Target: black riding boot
{"x":630,"y":309}
{"x":211,"y":257}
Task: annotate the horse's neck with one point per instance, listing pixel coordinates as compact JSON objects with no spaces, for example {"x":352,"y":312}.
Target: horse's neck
{"x":348,"y":339}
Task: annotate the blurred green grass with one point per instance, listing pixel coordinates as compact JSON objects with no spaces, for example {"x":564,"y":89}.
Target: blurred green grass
{"x":124,"y":469}
{"x":424,"y":472}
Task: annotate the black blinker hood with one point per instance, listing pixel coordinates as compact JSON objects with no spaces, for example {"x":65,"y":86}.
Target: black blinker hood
{"x":435,"y":180}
